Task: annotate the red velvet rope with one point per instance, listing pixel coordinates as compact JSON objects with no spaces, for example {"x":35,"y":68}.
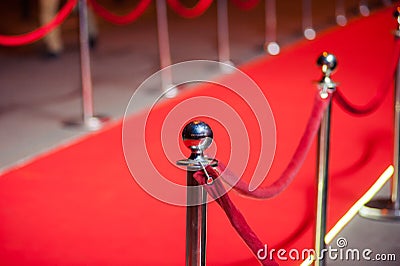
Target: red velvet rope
{"x":245,"y":4}
{"x":380,"y":95}
{"x":294,"y":165}
{"x":124,"y":19}
{"x":234,"y":215}
{"x":39,"y":33}
{"x":192,"y":12}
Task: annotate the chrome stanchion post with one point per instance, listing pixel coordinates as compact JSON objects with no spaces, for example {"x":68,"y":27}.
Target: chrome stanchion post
{"x":328,"y":63}
{"x":164,"y":50}
{"x":197,"y":136}
{"x":340,"y":13}
{"x":308,"y":31}
{"x":270,"y":45}
{"x":90,"y":122}
{"x":223,"y":32}
{"x":389,"y":209}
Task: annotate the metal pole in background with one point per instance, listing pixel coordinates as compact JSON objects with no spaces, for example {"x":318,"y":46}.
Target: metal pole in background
{"x":389,"y":209}
{"x":164,"y":50}
{"x":270,"y":45}
{"x":223,"y":32}
{"x":85,"y":61}
{"x":363,"y":7}
{"x":308,"y":31}
{"x":89,"y":121}
{"x":197,"y":136}
{"x":328,"y":63}
{"x":340,"y":13}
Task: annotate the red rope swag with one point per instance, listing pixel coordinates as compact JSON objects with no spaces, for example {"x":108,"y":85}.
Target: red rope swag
{"x":382,"y":91}
{"x":39,"y":33}
{"x":234,"y":215}
{"x":123,"y":19}
{"x":294,"y":165}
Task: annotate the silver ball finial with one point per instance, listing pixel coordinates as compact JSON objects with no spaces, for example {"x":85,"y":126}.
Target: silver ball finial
{"x":197,"y":136}
{"x":327,"y":61}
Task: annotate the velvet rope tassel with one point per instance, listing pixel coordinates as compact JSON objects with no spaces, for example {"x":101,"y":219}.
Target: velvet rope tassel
{"x":234,"y":215}
{"x":294,"y":165}
{"x":381,"y":93}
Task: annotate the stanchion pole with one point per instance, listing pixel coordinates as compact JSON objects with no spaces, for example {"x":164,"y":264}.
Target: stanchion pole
{"x":164,"y":50}
{"x":363,"y":7}
{"x":389,"y":209}
{"x":197,"y":136}
{"x":340,"y":13}
{"x":270,"y":45}
{"x":90,"y":122}
{"x":223,"y":32}
{"x":328,"y":64}
{"x":85,"y":61}
{"x":308,"y":31}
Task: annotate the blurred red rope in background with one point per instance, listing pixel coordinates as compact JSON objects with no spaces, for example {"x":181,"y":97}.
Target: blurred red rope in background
{"x":192,"y":12}
{"x":39,"y":33}
{"x":246,"y":4}
{"x":123,"y":19}
{"x":176,"y":5}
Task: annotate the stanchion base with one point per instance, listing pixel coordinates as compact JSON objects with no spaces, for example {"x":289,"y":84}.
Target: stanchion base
{"x":380,"y":209}
{"x":227,"y":67}
{"x":341,"y":20}
{"x":272,"y":48}
{"x":93,"y":123}
{"x":170,"y":91}
{"x":364,"y":10}
{"x":309,"y":34}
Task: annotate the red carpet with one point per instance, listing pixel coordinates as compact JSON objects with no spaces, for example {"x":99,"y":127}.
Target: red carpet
{"x":80,"y":206}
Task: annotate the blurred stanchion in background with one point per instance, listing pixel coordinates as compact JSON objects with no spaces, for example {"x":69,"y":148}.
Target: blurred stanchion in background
{"x":223,"y":32}
{"x":340,"y":13}
{"x":363,"y":8}
{"x":388,"y":209}
{"x":165,"y":53}
{"x":271,"y":46}
{"x":89,"y":120}
{"x":308,"y":30}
